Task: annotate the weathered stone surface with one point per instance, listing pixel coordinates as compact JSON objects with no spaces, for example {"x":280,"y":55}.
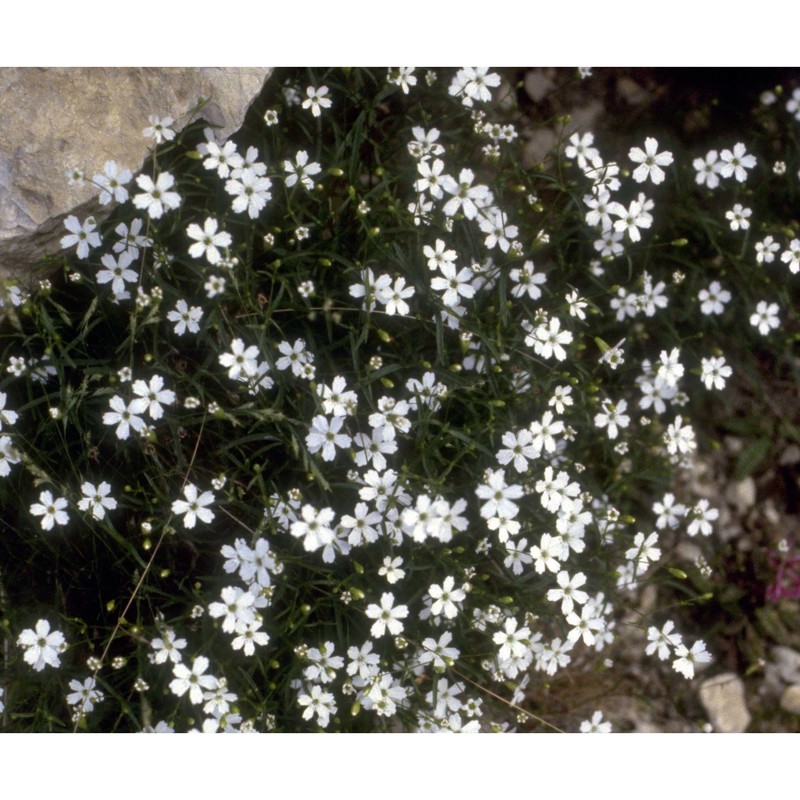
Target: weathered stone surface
{"x":790,"y":699}
{"x":723,"y":699}
{"x":787,"y":662}
{"x":56,"y":119}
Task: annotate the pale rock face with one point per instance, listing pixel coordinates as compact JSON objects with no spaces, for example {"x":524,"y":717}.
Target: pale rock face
{"x":790,"y":699}
{"x":54,"y":119}
{"x":724,"y":701}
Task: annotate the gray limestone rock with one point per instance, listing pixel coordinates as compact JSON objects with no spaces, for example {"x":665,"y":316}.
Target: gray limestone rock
{"x":790,"y":699}
{"x":723,"y":699}
{"x":787,"y":662}
{"x":57,"y":119}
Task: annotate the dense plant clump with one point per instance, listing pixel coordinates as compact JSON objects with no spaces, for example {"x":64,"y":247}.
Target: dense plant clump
{"x":353,"y":423}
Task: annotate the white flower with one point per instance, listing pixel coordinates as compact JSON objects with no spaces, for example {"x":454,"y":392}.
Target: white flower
{"x":644,"y":550}
{"x":185,"y":318}
{"x":453,"y":285}
{"x":686,"y":659}
{"x":568,"y":591}
{"x":766,"y":249}
{"x":708,"y":169}
{"x":125,"y":416}
{"x":701,"y":518}
{"x":42,"y":645}
{"x":160,"y":129}
{"x":194,"y":506}
{"x":445,"y":598}
{"x":251,"y":192}
{"x":168,"y":647}
{"x":792,"y":256}
{"x":679,"y":438}
{"x":714,"y":372}
{"x":9,"y":455}
{"x":154,"y":394}
{"x":319,"y":702}
{"x":242,"y":362}
{"x":192,"y":680}
{"x":50,"y":510}
{"x":662,"y":640}
{"x":736,"y":163}
{"x":765,"y":317}
{"x":236,"y":608}
{"x":432,"y":179}
{"x":631,"y":219}
{"x":301,"y":170}
{"x":207,"y":240}
{"x":117,"y":273}
{"x":314,"y":527}
{"x":223,"y":158}
{"x":82,"y":234}
{"x":713,"y":299}
{"x":387,"y":616}
{"x":96,"y":499}
{"x":84,"y":694}
{"x":112,"y":183}
{"x":596,"y":724}
{"x":580,"y":148}
{"x":650,"y":162}
{"x":325,"y":436}
{"x":394,"y":297}
{"x":156,"y":197}
{"x":612,"y":416}
{"x":316,"y":99}
{"x":391,"y":566}
{"x":738,"y":217}
{"x":547,"y":339}
{"x":7,"y":416}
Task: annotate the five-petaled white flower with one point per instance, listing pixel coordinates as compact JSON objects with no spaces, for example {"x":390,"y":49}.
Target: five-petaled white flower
{"x":445,"y":598}
{"x":736,"y":163}
{"x":194,"y":506}
{"x":686,"y":659}
{"x":223,"y":158}
{"x":208,"y":240}
{"x":387,"y":616}
{"x":325,"y":436}
{"x":242,"y":362}
{"x":51,"y":510}
{"x":650,"y":161}
{"x":765,"y":317}
{"x":159,"y":129}
{"x":156,"y":197}
{"x":96,"y":499}
{"x":301,"y":170}
{"x":236,"y":608}
{"x":112,"y":183}
{"x":125,"y":416}
{"x":116,"y":272}
{"x":185,"y":318}
{"x":251,"y":192}
{"x":155,"y":394}
{"x":84,"y":695}
{"x":42,"y":645}
{"x":314,"y":527}
{"x":83,"y":234}
{"x":192,"y":680}
{"x":316,"y":99}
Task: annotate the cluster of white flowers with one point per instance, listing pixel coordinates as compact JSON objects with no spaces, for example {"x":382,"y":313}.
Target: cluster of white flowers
{"x":383,"y":540}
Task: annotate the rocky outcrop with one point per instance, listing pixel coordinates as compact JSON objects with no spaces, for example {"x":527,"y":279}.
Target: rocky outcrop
{"x":57,"y":119}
